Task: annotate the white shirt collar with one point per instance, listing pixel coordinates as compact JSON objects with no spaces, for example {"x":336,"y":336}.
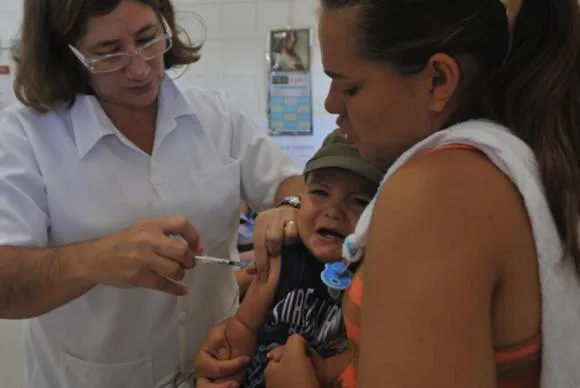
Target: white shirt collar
{"x":90,"y":123}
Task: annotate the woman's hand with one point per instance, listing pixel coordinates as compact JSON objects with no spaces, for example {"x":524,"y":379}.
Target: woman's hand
{"x":143,"y":255}
{"x":213,"y":365}
{"x":294,"y":367}
{"x":318,"y":363}
{"x":272,"y":229}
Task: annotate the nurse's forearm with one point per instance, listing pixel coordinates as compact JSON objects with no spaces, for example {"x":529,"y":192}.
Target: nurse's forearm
{"x":293,"y":185}
{"x":34,"y":281}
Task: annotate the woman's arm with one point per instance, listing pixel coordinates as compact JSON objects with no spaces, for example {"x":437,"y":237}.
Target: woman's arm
{"x":431,"y":265}
{"x":294,"y":369}
{"x":328,"y":370}
{"x":267,"y":175}
{"x":34,"y":281}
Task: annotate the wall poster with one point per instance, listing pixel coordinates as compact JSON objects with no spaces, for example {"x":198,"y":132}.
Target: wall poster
{"x":289,"y":83}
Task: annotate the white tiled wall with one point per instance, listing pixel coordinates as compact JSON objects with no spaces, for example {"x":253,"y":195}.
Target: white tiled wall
{"x":233,"y":59}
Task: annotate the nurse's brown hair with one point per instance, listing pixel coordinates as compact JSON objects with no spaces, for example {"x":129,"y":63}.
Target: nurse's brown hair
{"x":48,"y":74}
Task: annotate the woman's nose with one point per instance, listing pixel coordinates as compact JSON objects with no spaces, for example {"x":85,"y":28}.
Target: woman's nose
{"x":333,"y":103}
{"x":138,"y":67}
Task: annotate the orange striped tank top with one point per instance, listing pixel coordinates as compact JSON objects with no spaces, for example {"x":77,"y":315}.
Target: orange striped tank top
{"x":517,"y":366}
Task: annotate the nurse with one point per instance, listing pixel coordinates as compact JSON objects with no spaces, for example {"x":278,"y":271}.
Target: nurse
{"x":107,"y":161}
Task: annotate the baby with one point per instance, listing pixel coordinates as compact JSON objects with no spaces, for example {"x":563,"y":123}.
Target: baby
{"x":339,"y":185}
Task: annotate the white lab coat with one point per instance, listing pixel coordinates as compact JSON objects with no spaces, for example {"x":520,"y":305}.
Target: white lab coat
{"x":69,"y":176}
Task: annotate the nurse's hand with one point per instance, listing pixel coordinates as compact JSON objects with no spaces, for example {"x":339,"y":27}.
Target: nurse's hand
{"x":294,"y":367}
{"x":213,"y":365}
{"x":143,"y":255}
{"x":272,"y":229}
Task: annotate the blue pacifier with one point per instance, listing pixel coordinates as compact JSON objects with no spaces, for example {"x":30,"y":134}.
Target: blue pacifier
{"x":336,"y":275}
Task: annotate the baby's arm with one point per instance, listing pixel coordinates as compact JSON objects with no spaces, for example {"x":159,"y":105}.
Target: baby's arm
{"x":244,"y":281}
{"x":241,"y":328}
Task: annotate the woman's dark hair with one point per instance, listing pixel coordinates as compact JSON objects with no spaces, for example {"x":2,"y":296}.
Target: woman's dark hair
{"x":48,"y":74}
{"x":529,"y":81}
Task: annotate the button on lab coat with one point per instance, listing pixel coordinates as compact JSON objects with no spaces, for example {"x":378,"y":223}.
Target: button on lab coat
{"x":69,"y":176}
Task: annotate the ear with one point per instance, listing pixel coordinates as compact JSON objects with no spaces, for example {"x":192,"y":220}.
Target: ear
{"x":445,"y":76}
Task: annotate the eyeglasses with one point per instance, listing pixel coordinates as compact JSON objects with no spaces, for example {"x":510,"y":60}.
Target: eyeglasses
{"x":112,"y":62}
